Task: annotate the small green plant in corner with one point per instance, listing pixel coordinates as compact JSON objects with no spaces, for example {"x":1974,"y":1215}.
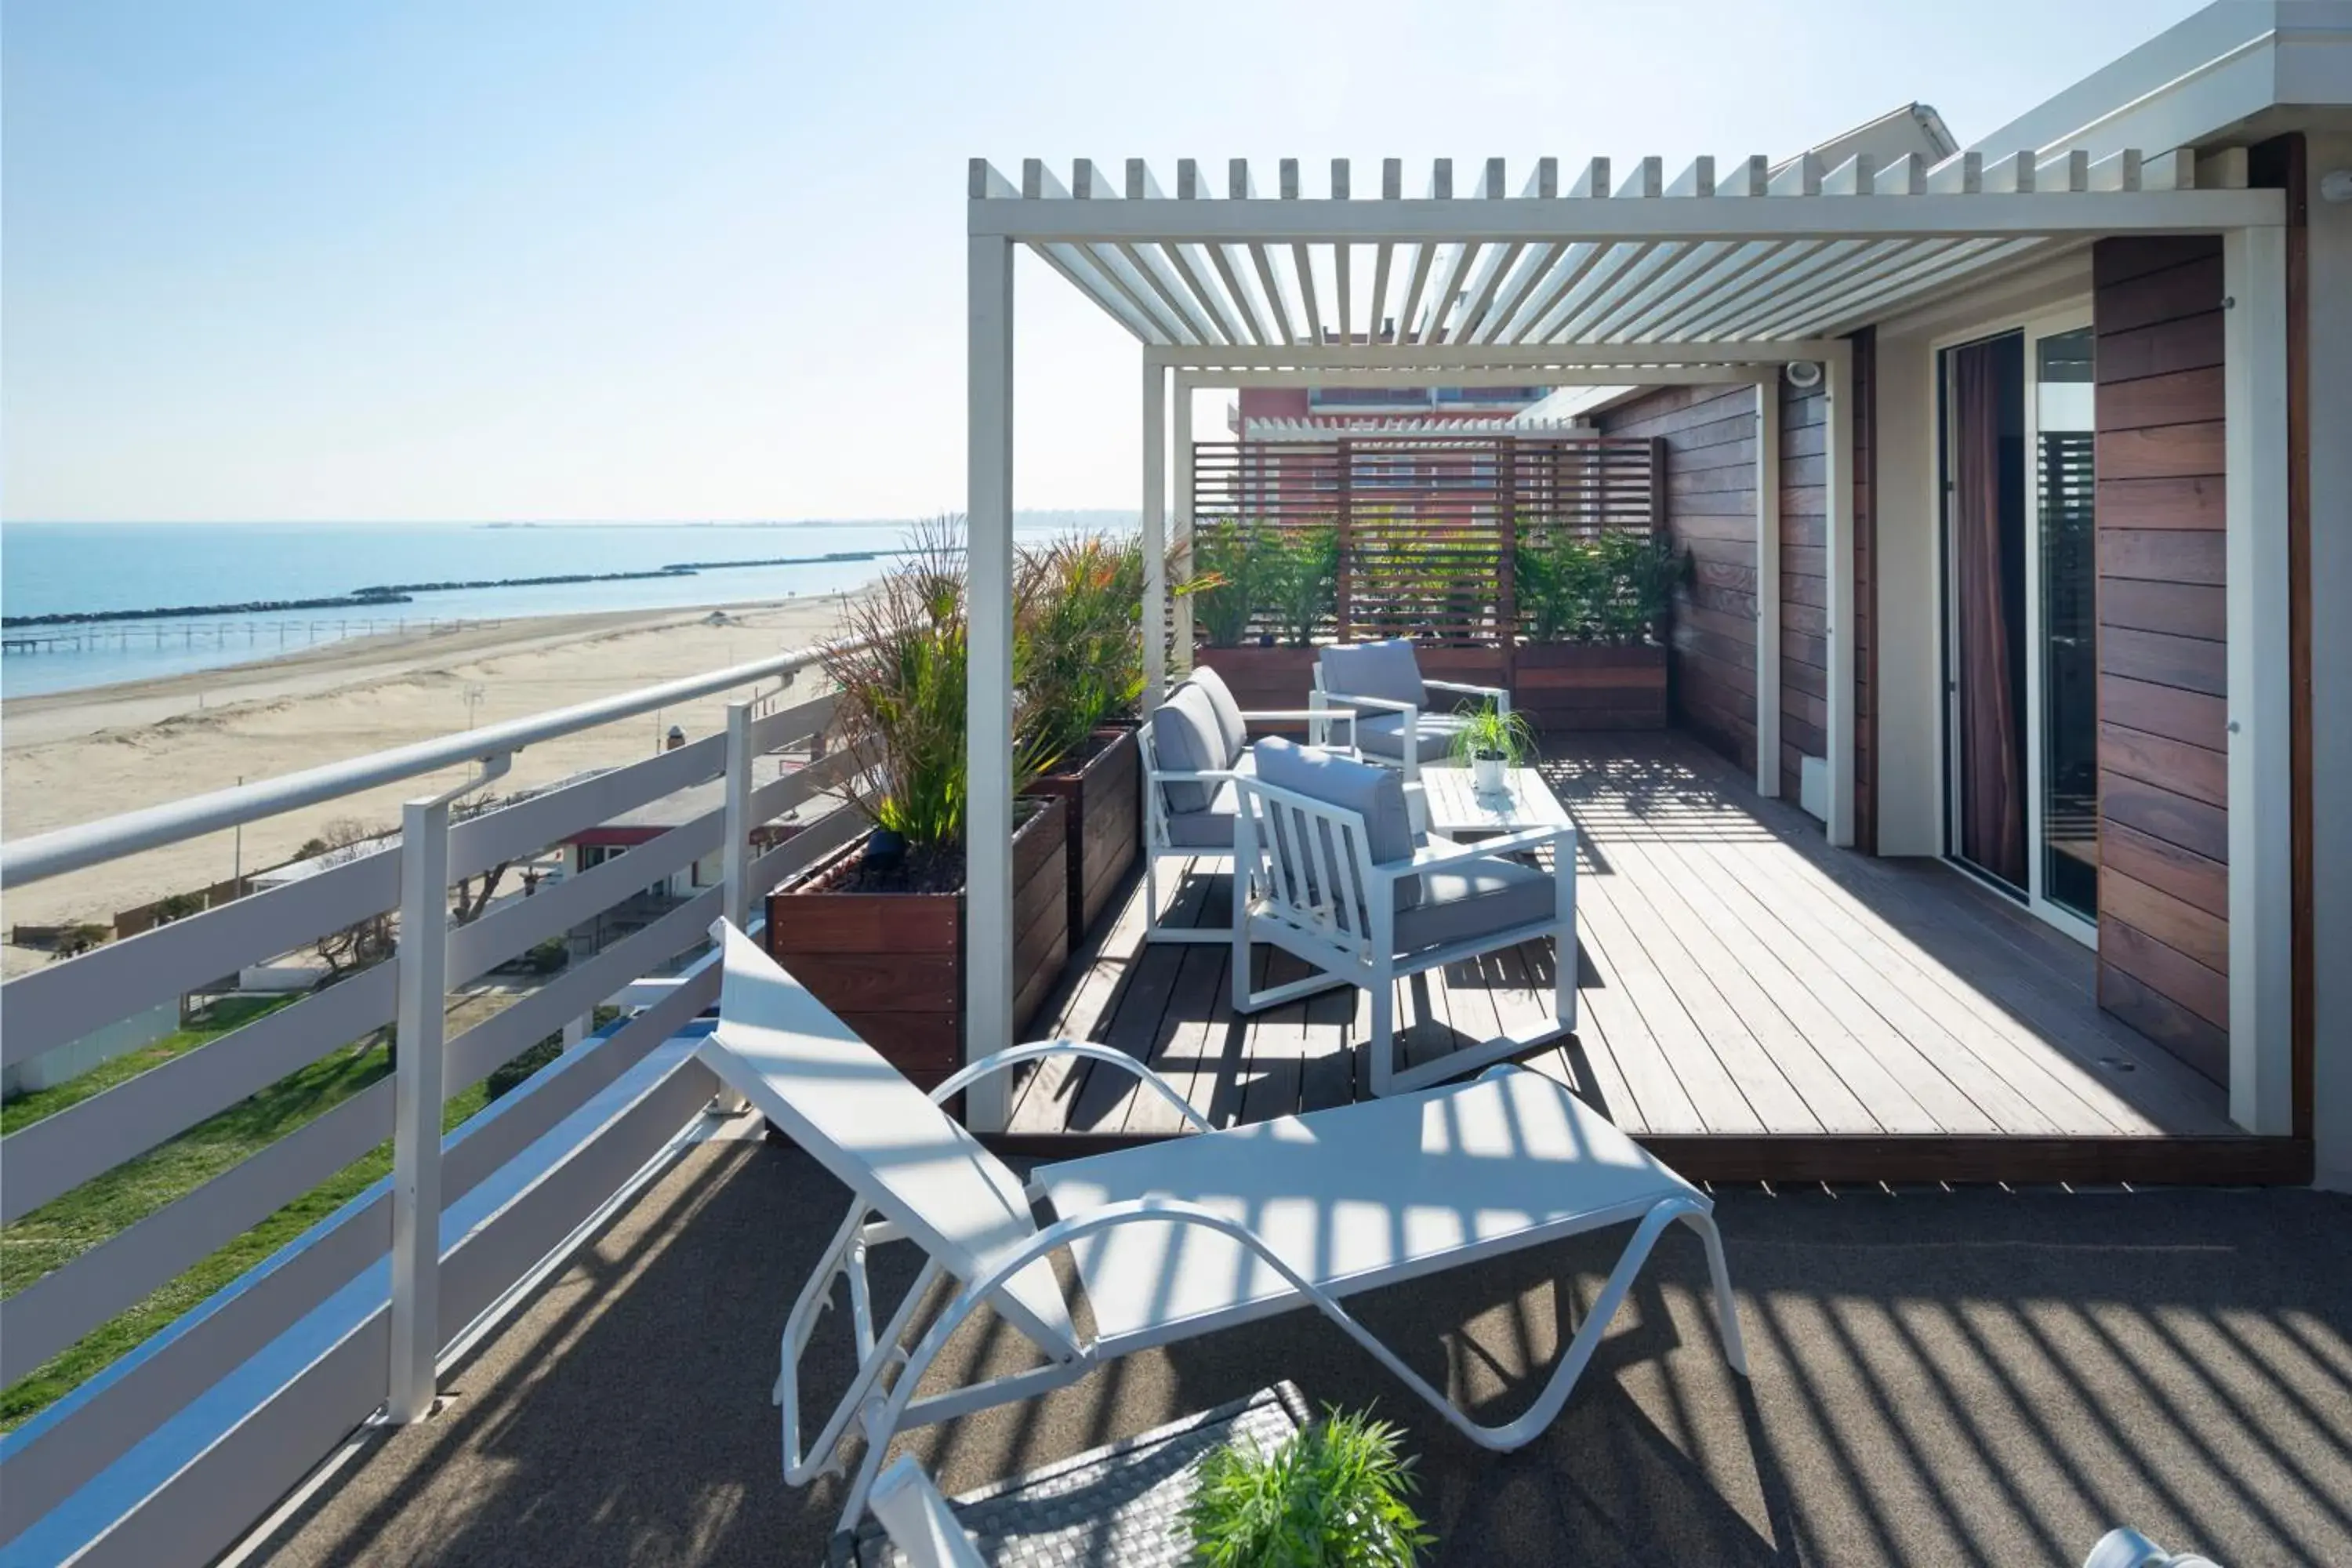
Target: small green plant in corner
{"x":1335,"y":1495}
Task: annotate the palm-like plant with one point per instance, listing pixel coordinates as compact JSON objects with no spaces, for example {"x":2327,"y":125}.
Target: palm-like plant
{"x":1560,"y":579}
{"x":900,"y":670}
{"x":1078,"y":643}
{"x":1300,"y":577}
{"x":1228,"y":577}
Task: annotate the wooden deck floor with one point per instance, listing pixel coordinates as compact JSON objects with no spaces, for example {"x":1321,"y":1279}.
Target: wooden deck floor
{"x":1754,"y":1001}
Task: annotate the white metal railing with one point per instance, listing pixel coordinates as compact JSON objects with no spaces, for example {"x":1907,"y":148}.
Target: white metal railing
{"x":435,"y":1282}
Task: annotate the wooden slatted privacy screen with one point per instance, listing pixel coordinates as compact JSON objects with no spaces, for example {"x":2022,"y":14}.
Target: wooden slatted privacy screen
{"x":1427,"y":524}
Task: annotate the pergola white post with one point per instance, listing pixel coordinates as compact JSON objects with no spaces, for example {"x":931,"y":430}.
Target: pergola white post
{"x":1155,"y":534}
{"x":2254,"y":326}
{"x":1837,"y":458}
{"x":988,"y":681}
{"x":1185,"y":391}
{"x":1767,"y":586}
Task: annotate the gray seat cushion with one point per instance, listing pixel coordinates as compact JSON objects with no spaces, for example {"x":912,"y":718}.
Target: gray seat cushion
{"x":1374,"y":793}
{"x":1212,"y":828}
{"x":1475,"y":899}
{"x":1382,"y":735}
{"x":1387,"y":670}
{"x":1187,"y":738}
{"x":1228,"y":712}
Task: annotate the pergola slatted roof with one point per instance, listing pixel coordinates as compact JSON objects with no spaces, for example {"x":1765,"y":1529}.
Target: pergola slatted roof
{"x":1739,"y":253}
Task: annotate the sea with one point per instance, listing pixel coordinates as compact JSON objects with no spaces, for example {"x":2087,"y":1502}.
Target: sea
{"x":78,"y":569}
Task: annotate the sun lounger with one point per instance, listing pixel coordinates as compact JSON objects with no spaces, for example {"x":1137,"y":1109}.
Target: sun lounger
{"x":1170,"y":1240}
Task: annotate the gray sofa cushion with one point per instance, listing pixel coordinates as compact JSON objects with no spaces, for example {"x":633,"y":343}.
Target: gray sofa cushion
{"x":1387,"y":670}
{"x":1374,"y":793}
{"x":1382,"y":735}
{"x":1210,"y":829}
{"x":1475,"y":899}
{"x":1187,"y":738}
{"x":1228,"y":712}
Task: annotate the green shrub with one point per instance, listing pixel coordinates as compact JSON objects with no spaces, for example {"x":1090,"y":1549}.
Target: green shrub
{"x":1613,"y":586}
{"x":900,"y":670}
{"x":1643,"y":571}
{"x":1298,"y":579}
{"x":1079,"y":641}
{"x":1559,"y":578}
{"x":1332,"y":1497}
{"x":1228,"y":577}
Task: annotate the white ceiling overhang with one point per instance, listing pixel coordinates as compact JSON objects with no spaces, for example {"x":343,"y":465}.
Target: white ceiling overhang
{"x":1589,"y":272}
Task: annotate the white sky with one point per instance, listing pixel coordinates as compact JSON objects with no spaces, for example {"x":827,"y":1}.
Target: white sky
{"x":595,"y":260}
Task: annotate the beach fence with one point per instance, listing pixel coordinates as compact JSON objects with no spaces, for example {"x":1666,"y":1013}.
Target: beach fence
{"x":278,"y":635}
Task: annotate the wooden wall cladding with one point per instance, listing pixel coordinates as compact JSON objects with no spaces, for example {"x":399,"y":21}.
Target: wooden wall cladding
{"x":2164,"y":878}
{"x":1710,"y":436}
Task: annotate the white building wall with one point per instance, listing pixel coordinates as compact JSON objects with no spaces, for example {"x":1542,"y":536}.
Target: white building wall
{"x":2331,"y":658}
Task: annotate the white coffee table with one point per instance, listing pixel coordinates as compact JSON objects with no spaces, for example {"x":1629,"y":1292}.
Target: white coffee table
{"x":1456,"y":810}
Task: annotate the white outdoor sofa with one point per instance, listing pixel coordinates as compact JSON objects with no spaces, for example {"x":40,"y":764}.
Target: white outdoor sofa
{"x":1194,"y":745}
{"x":1337,"y":877}
{"x":1171,"y":1240}
{"x":1399,"y":724}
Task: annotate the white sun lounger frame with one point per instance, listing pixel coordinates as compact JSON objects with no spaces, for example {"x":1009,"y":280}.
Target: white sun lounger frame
{"x":882,"y":1412}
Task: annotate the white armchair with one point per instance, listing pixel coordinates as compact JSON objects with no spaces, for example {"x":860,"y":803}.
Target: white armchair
{"x":1400,"y":721}
{"x":1194,"y":746}
{"x":1325,"y":848}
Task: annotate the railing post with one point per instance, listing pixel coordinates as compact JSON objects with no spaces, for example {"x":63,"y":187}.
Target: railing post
{"x":735,"y":857}
{"x":735,"y":860}
{"x":423,"y":957}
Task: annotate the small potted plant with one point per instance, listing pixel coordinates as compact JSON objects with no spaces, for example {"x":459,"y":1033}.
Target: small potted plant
{"x":1491,"y":740}
{"x":1335,"y":1495}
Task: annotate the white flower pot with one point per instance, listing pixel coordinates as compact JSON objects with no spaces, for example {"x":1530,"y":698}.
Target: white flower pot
{"x":1487,"y":776}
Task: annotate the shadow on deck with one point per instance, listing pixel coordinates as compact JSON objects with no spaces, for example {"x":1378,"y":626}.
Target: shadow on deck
{"x":1938,"y":1377}
{"x":1754,"y":1005}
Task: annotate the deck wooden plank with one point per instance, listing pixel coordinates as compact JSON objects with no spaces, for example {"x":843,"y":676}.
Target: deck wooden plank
{"x":2065,"y":1095}
{"x":1188,"y":1048}
{"x":1723,"y":988}
{"x":1877,"y":1086}
{"x":1745,"y":983}
{"x":1044,"y":1101}
{"x":1101,"y":1099}
{"x":1658,"y":1068}
{"x":1816,"y":991}
{"x":1894,"y":989}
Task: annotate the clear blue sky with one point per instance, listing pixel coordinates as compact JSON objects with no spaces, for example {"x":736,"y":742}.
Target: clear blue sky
{"x":429,"y":261}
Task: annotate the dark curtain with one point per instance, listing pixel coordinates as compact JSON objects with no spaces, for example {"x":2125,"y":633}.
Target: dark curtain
{"x":1992,"y":802}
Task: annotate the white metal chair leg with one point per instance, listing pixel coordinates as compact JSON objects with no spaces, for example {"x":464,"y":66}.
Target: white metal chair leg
{"x":1382,"y":1042}
{"x":1727,"y":1310}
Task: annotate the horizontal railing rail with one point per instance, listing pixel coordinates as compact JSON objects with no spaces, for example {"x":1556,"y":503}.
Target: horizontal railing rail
{"x":131,"y":1404}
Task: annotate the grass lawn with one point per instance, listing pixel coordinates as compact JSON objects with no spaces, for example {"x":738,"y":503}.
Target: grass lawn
{"x":57,"y":1233}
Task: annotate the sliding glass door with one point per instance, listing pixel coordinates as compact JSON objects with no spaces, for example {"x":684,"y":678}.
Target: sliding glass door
{"x":2020,"y":571}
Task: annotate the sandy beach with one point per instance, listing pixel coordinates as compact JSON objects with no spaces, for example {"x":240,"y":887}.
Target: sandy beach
{"x":74,"y":757}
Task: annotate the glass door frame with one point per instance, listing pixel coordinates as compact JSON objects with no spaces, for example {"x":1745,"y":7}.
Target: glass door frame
{"x":2072,"y":318}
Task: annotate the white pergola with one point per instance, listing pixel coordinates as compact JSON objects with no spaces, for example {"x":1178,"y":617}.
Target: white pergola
{"x":1725,"y":273}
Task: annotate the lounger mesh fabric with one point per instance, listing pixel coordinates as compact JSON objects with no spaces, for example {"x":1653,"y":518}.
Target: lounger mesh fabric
{"x":830,"y":1092}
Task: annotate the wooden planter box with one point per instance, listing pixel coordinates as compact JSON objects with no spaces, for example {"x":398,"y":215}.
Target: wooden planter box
{"x":1590,"y":686}
{"x":1102,"y":804}
{"x":1559,"y":685}
{"x":892,"y":964}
